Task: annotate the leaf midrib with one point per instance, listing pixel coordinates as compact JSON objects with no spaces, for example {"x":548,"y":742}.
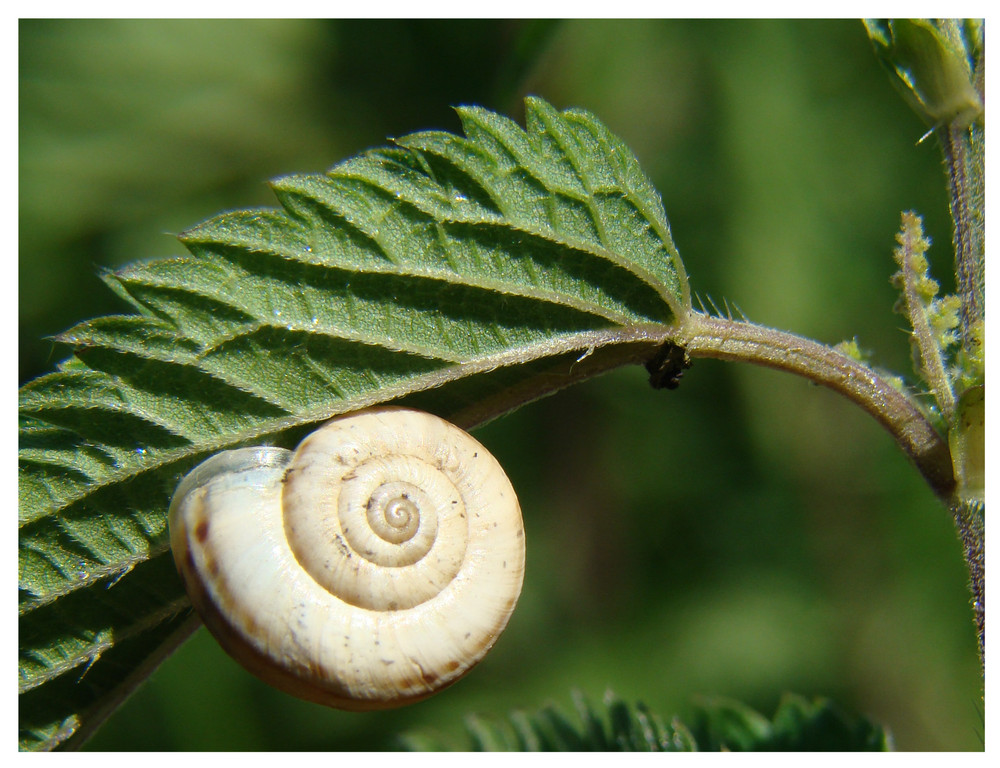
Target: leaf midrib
{"x":653,"y":333}
{"x":103,"y":642}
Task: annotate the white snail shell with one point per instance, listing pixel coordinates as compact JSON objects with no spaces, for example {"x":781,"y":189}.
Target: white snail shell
{"x":369,"y":568}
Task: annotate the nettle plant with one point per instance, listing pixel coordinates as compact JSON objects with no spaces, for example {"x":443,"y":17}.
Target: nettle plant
{"x":464,"y":275}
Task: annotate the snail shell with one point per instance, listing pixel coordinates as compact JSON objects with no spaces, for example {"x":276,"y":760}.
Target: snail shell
{"x":369,"y":568}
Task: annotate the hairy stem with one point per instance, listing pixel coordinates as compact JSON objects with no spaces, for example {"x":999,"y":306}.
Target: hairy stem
{"x":971,"y":528}
{"x":705,"y":336}
{"x":964,"y":149}
{"x":963,"y":153}
{"x":916,"y":302}
{"x":725,"y":339}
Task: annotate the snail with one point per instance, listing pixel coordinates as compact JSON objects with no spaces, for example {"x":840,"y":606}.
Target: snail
{"x":370,"y":568}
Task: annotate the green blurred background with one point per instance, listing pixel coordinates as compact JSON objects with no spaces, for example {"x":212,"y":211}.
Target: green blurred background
{"x":745,"y":535}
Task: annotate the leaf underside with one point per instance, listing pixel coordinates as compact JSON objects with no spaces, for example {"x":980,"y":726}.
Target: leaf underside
{"x":466,"y":275}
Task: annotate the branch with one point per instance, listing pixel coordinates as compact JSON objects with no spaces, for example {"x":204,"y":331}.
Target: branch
{"x":725,"y":339}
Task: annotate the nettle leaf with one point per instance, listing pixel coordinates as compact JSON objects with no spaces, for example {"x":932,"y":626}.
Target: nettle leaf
{"x":619,"y":727}
{"x":464,"y":275}
{"x":799,"y":725}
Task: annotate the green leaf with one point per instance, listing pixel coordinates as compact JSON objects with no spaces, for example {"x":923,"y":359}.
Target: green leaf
{"x":718,"y":725}
{"x":930,"y":61}
{"x":799,"y":725}
{"x":621,"y":728}
{"x":465,"y":275}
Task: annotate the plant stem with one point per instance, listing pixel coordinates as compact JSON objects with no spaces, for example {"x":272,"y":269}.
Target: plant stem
{"x":964,"y":149}
{"x":916,"y":303}
{"x":971,"y":528}
{"x":963,"y":154}
{"x":706,"y":336}
{"x":722,"y":338}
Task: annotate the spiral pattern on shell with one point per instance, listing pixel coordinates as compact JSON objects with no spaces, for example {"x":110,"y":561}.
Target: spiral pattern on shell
{"x":373,"y":566}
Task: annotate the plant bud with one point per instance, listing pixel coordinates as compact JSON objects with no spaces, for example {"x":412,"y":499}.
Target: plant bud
{"x":930,"y":62}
